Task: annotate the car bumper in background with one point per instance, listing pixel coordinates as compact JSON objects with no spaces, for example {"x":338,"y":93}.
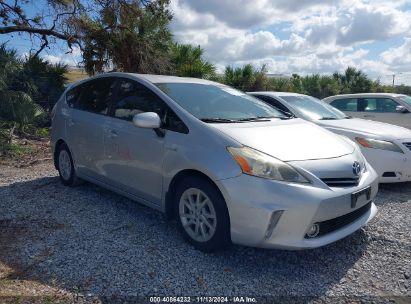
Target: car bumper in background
{"x":391,"y":167}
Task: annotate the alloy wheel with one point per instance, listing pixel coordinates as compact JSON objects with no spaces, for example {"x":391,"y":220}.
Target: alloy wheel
{"x":197,"y":215}
{"x":65,"y":164}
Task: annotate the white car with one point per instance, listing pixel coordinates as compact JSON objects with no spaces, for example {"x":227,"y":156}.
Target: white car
{"x":386,"y":147}
{"x":385,"y":107}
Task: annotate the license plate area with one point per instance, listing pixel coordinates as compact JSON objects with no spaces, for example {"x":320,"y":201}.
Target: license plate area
{"x":355,"y":196}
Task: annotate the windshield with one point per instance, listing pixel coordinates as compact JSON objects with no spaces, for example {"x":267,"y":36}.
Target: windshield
{"x":213,"y":102}
{"x":313,"y":108}
{"x":406,"y":99}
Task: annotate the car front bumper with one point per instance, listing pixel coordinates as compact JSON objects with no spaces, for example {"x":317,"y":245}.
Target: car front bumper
{"x":251,"y":202}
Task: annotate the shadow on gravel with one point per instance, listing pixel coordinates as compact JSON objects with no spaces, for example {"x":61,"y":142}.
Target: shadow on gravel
{"x":90,"y":240}
{"x":396,"y":187}
{"x":394,"y":193}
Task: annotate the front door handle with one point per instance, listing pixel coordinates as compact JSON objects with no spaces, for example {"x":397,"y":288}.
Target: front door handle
{"x":369,"y":115}
{"x":70,"y":122}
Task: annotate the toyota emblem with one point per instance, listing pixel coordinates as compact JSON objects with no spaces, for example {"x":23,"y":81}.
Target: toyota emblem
{"x":356,"y":168}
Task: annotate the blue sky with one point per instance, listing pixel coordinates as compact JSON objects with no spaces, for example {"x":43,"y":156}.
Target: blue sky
{"x":288,"y":36}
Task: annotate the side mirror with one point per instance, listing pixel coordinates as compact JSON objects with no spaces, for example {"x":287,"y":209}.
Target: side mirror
{"x":401,"y":109}
{"x":148,"y":120}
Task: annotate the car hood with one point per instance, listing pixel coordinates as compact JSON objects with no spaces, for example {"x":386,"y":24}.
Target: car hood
{"x":288,"y":140}
{"x":367,"y":126}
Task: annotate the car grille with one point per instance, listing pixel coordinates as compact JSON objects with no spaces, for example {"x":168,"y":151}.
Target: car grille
{"x":341,"y":221}
{"x":341,"y":182}
{"x":408,"y":145}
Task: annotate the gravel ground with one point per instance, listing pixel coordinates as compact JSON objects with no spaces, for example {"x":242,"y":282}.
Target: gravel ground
{"x":87,"y":240}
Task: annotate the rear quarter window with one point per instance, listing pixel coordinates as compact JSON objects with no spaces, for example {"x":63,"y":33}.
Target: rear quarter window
{"x":72,"y":96}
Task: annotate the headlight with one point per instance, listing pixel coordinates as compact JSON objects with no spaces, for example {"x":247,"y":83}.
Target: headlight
{"x":256,"y":163}
{"x":378,"y":144}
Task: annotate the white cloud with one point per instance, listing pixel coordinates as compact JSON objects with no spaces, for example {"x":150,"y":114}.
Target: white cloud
{"x":368,"y":23}
{"x":398,"y":59}
{"x":71,"y":59}
{"x":246,"y":13}
{"x":320,"y":35}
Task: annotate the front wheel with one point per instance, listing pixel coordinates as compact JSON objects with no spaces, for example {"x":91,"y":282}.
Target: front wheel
{"x":202,"y":214}
{"x":65,"y":166}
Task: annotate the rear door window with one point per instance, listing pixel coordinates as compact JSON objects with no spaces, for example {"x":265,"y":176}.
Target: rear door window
{"x":346,"y":105}
{"x":96,"y":95}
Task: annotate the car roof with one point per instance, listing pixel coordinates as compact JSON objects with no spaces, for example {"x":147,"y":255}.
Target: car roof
{"x":364,"y":95}
{"x":150,"y":78}
{"x":166,"y":79}
{"x":279,"y":94}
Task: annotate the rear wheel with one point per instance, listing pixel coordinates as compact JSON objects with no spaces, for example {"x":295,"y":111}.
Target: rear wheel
{"x":202,"y":214}
{"x":65,"y":166}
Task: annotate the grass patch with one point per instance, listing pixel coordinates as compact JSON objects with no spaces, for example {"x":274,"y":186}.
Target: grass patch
{"x":13,"y":151}
{"x":75,"y":75}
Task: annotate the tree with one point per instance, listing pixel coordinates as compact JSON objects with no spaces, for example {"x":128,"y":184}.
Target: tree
{"x":353,"y":81}
{"x":297,"y":83}
{"x":126,"y":35}
{"x":246,"y":78}
{"x":281,"y":84}
{"x":188,"y":61}
{"x":47,"y":79}
{"x":16,"y":105}
{"x":42,"y":26}
{"x":21,"y":81}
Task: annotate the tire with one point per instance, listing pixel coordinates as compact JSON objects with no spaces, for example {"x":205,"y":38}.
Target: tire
{"x":65,"y":166}
{"x":205,"y":222}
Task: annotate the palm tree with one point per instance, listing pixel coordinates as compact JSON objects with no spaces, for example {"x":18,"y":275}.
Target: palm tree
{"x":246,"y":78}
{"x":188,"y":61}
{"x":353,"y":81}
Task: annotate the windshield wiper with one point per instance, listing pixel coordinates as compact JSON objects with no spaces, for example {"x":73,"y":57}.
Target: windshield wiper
{"x":218,"y":120}
{"x":328,"y":118}
{"x":226,"y":120}
{"x":262,"y":118}
{"x":258,"y":118}
{"x":348,"y":117}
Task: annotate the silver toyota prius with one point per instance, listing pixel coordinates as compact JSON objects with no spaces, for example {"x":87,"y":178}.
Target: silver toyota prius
{"x":227,"y":166}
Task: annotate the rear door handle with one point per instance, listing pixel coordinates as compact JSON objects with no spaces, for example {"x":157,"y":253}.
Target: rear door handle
{"x":171,"y":147}
{"x":112,"y":133}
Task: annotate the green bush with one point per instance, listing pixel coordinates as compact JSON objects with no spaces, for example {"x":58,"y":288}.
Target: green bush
{"x":43,"y":132}
{"x":43,"y":120}
{"x":22,"y":82}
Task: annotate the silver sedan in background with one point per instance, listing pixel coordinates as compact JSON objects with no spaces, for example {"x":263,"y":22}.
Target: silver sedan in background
{"x":386,"y":147}
{"x":385,"y":107}
{"x":228,"y":166}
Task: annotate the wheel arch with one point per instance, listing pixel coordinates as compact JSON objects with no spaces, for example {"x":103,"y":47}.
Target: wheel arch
{"x":169,"y":203}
